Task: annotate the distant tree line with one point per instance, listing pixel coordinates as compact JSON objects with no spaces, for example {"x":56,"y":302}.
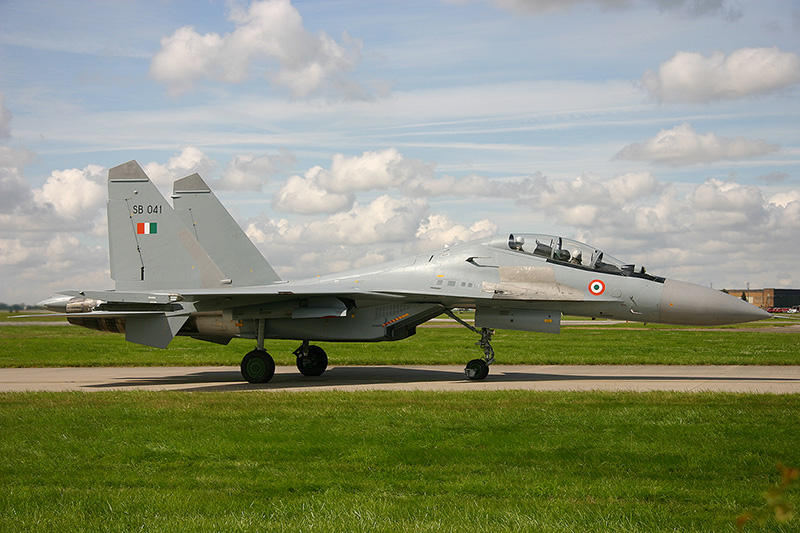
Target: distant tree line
{"x":15,"y":307}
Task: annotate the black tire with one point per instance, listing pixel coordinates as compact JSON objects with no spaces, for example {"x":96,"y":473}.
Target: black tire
{"x":477,"y":369}
{"x":258,"y":367}
{"x":313,"y":364}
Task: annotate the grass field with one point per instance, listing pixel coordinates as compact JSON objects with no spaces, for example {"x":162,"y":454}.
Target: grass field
{"x":390,"y":461}
{"x":398,"y":461}
{"x":762,"y":343}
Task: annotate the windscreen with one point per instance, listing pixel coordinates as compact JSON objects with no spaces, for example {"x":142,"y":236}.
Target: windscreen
{"x":568,"y":251}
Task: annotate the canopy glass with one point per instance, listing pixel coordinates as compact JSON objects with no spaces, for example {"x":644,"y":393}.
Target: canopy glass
{"x":571,"y":252}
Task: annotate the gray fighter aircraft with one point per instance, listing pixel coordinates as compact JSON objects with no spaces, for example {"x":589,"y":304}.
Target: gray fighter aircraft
{"x":189,"y":269}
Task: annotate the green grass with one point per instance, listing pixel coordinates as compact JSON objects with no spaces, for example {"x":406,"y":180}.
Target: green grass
{"x":391,"y":461}
{"x":397,"y":461}
{"x":36,"y":346}
{"x":41,"y":316}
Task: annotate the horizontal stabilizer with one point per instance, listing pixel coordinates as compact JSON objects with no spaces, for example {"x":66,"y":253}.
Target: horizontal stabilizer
{"x":132,"y":297}
{"x":153,"y":330}
{"x":95,"y":314}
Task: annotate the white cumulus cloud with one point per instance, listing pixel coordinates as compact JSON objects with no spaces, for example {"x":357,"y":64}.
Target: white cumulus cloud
{"x":74,"y":193}
{"x":717,"y":230}
{"x":327,"y":191}
{"x":249,"y":172}
{"x":188,"y":161}
{"x":303,"y":195}
{"x":42,"y":263}
{"x":588,"y":196}
{"x":244,"y":172}
{"x":682,"y":145}
{"x":383,"y":220}
{"x":438,"y":230}
{"x":373,"y":170}
{"x":269,"y":32}
{"x":725,"y":205}
{"x":15,"y":190}
{"x":783,"y":199}
{"x":692,"y":77}
{"x":384,"y":229}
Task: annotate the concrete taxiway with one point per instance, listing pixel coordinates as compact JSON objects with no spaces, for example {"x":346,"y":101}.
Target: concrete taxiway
{"x":750,"y":379}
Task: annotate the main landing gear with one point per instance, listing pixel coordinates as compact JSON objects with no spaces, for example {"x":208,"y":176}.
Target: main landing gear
{"x":259,"y":367}
{"x":477,"y":369}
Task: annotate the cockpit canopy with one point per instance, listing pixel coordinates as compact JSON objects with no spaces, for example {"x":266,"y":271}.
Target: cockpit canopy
{"x":573,"y":253}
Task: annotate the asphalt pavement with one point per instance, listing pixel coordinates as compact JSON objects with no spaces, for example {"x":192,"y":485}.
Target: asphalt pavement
{"x":750,"y":379}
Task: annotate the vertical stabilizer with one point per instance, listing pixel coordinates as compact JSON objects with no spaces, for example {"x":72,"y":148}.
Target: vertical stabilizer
{"x":219,"y":234}
{"x":149,"y":246}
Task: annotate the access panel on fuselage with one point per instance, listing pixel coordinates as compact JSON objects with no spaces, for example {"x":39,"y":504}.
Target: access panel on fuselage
{"x":518,"y":319}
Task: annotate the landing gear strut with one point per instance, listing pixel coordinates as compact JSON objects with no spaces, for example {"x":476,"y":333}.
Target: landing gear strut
{"x":258,"y":366}
{"x":311,"y":360}
{"x":477,"y":369}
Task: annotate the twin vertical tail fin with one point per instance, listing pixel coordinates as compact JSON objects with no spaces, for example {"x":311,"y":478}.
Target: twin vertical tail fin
{"x":149,"y":246}
{"x":219,"y":234}
{"x":155,"y":247}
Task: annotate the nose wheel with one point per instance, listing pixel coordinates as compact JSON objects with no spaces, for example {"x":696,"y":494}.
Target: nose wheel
{"x":477,"y":369}
{"x":311,"y":359}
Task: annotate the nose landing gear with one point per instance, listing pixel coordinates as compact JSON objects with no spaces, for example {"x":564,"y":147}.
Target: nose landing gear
{"x":477,"y":369}
{"x":311,"y":359}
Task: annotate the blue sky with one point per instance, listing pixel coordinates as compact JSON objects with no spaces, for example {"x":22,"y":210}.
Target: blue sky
{"x":344,"y":133}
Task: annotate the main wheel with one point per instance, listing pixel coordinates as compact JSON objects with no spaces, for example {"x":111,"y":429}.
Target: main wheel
{"x":477,"y":369}
{"x":313,"y":364}
{"x":258,"y":367}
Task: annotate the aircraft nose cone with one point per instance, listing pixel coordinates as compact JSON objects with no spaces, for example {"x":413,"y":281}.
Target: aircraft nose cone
{"x":693,"y":305}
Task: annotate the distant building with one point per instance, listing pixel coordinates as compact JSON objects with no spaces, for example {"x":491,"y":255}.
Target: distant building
{"x":768,"y":298}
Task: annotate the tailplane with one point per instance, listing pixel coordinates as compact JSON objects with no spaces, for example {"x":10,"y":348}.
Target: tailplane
{"x":219,"y":234}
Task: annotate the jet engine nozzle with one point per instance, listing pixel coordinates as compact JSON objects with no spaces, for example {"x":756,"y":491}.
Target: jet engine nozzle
{"x":69,"y":304}
{"x":81,"y":305}
{"x":692,"y":305}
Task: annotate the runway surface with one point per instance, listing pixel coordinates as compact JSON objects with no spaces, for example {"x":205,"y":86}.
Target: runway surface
{"x":770,"y":379}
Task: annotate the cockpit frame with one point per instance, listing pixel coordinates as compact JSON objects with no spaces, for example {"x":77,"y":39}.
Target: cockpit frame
{"x":569,"y":252}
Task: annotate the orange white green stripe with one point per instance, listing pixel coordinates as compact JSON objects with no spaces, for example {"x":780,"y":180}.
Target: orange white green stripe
{"x":146,"y":228}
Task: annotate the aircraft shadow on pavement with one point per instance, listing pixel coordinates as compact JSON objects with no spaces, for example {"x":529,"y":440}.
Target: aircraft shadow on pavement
{"x":333,"y":377}
{"x":348,"y":376}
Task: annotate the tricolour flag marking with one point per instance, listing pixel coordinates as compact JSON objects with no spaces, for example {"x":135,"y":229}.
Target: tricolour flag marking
{"x":147,"y":228}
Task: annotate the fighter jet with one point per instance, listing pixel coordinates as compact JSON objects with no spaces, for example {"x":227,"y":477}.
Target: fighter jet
{"x":189,"y":269}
